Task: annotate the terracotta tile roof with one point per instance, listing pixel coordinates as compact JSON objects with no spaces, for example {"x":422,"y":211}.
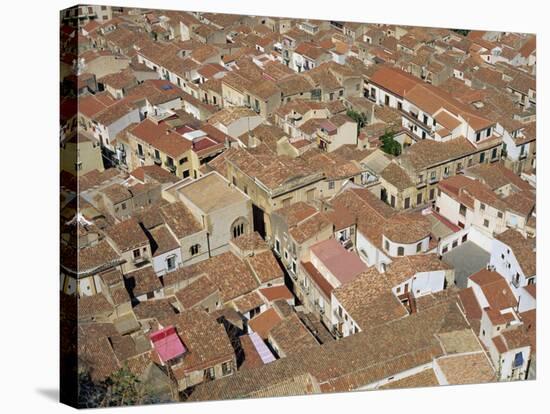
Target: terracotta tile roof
{"x":155,"y":309}
{"x":470,"y":304}
{"x":265,"y":266}
{"x":124,"y":347}
{"x":424,"y":378}
{"x":394,"y":80}
{"x":523,"y":248}
{"x":127,"y":235}
{"x":334,"y":166}
{"x":142,"y":281}
{"x":251,"y":357}
{"x":407,"y":228}
{"x":290,"y":335}
{"x":369,"y":212}
{"x":164,"y":241}
{"x":273,"y":171}
{"x":396,"y":176}
{"x":160,"y":137}
{"x":99,"y":356}
{"x":196,"y":292}
{"x":277,"y":292}
{"x":427,"y":152}
{"x":248,"y":302}
{"x":95,"y":257}
{"x":467,"y":368}
{"x":496,"y":176}
{"x":119,"y":80}
{"x":376,"y":354}
{"x":516,"y":338}
{"x":206,"y":341}
{"x":94,"y":306}
{"x":232,"y":276}
{"x":369,"y":301}
{"x":117,"y":193}
{"x":403,"y":268}
{"x":90,"y":105}
{"x":154,"y":172}
{"x":310,"y":227}
{"x":264,"y":322}
{"x":296,"y":213}
{"x":250,"y":242}
{"x":227,"y":116}
{"x":179,"y":219}
{"x":495,"y":289}
{"x":522,"y":202}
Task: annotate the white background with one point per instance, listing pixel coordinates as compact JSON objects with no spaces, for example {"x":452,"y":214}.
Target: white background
{"x":29,"y":202}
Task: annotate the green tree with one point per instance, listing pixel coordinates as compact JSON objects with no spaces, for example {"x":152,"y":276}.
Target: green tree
{"x":463,"y":32}
{"x":389,"y":144}
{"x":121,"y":388}
{"x":358,"y":117}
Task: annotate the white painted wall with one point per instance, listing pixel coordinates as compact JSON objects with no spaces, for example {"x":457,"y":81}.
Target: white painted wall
{"x":159,"y":262}
{"x":370,"y":254}
{"x":423,"y":283}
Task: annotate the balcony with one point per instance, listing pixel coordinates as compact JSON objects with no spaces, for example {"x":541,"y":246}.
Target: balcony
{"x":157,"y":160}
{"x":170,"y":167}
{"x":140,"y":260}
{"x":434,"y":179}
{"x":421,"y":183}
{"x":347,"y":243}
{"x":337,"y":333}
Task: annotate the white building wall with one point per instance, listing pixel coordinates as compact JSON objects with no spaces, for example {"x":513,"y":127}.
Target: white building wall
{"x":370,"y":254}
{"x":423,"y":283}
{"x":526,"y":301}
{"x":505,"y":262}
{"x":409,"y":249}
{"x":479,"y":238}
{"x":159,"y":262}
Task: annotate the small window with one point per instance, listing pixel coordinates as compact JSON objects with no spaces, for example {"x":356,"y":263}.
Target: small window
{"x":482,"y":206}
{"x":136,"y":253}
{"x":387,"y":245}
{"x":226,"y":368}
{"x":486,"y":223}
{"x":419,"y":199}
{"x":419,"y":247}
{"x":499,"y":214}
{"x":183,"y":160}
{"x":400,"y":251}
{"x":331,"y":185}
{"x":194,"y":249}
{"x":171,"y":262}
{"x":407,"y":202}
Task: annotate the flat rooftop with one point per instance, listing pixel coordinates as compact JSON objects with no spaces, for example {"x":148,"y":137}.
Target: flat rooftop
{"x":211,"y":192}
{"x":467,"y":259}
